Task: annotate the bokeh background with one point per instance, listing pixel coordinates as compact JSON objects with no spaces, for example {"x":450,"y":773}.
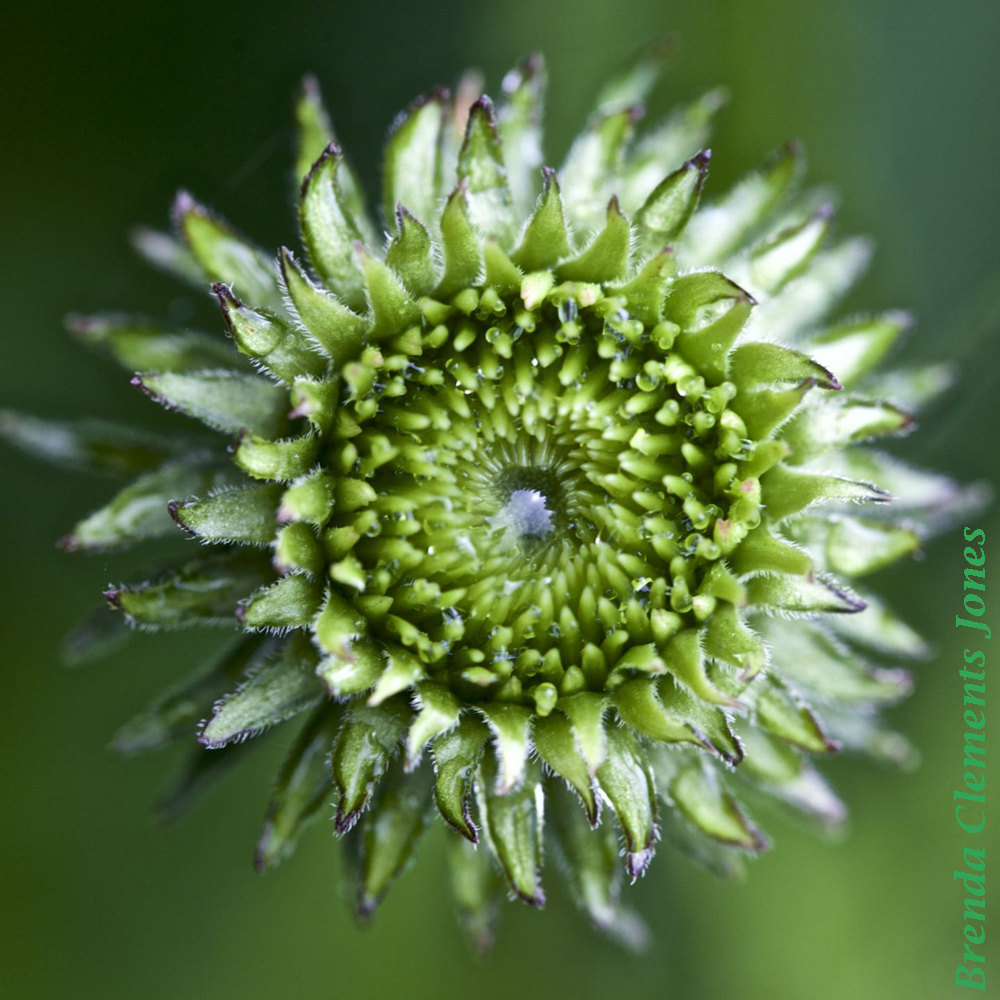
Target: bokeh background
{"x":106,"y":109}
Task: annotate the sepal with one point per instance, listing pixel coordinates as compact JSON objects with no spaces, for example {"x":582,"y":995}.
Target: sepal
{"x":278,"y":690}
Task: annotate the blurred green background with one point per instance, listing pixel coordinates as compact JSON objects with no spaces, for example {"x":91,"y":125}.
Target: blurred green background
{"x":107,"y":108}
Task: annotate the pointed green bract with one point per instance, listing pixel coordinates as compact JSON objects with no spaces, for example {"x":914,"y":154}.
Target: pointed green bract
{"x":700,"y":797}
{"x":512,"y":824}
{"x":301,"y":789}
{"x":268,"y":340}
{"x":412,"y":168}
{"x":366,"y":743}
{"x":142,"y":509}
{"x":667,"y":210}
{"x":176,"y":714}
{"x":276,"y":691}
{"x":224,"y":256}
{"x":481,"y":167}
{"x":224,"y":401}
{"x":203,"y":590}
{"x":329,"y":229}
{"x":519,"y":122}
{"x":334,"y":327}
{"x":592,"y":162}
{"x":628,"y":784}
{"x":456,"y":757}
{"x":411,"y":253}
{"x":139,"y":344}
{"x":87,"y":445}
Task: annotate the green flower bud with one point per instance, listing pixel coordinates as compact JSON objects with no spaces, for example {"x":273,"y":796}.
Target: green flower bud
{"x":544,"y":512}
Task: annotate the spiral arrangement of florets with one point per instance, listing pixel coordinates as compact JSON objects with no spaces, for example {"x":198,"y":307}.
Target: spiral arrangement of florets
{"x":550,"y":495}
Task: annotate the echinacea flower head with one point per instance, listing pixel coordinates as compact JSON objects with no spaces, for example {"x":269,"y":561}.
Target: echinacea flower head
{"x":538,"y":504}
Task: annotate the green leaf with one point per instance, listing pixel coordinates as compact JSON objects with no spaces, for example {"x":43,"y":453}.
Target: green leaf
{"x":291,"y":602}
{"x":812,"y":658}
{"x":880,"y":629}
{"x":354,"y":670}
{"x":633,"y":83}
{"x":276,"y":691}
{"x":226,"y":256}
{"x":87,"y":445}
{"x":519,"y":122}
{"x":932,"y":500}
{"x":553,"y":738}
{"x":309,"y":499}
{"x":841,"y":421}
{"x":412,"y":165}
{"x":481,"y":166}
{"x":807,"y":299}
{"x":366,"y":743}
{"x":684,"y":659}
{"x":456,"y":756}
{"x":338,"y":331}
{"x":647,"y":291}
{"x":762,"y":551}
{"x":167,"y":253}
{"x":202,"y":591}
{"x":302,"y":787}
{"x":699,"y":794}
{"x":140,"y":511}
{"x":711,"y":726}
{"x":176,"y":714}
{"x":283,"y":350}
{"x":225,"y":401}
{"x":625,"y":779}
{"x":512,"y":827}
{"x":402,"y":671}
{"x":297,"y":549}
{"x":329,"y":229}
{"x":915,"y":387}
{"x":639,"y":706}
{"x":670,"y":205}
{"x":390,"y":832}
{"x":139,"y":344}
{"x":723,"y":860}
{"x":777,"y":770}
